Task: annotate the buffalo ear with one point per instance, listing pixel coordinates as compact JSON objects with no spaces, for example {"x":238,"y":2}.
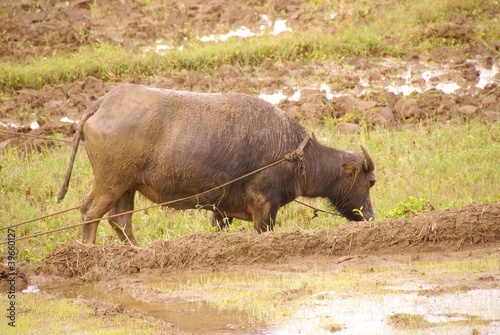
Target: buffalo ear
{"x":368,"y":165}
{"x":314,"y":137}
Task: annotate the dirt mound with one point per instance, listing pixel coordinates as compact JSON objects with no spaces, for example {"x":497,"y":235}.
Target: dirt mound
{"x":38,"y":28}
{"x":468,"y":227}
{"x":45,"y":28}
{"x":12,"y":281}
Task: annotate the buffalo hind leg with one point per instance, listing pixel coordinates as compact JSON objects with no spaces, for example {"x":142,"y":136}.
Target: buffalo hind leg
{"x":220,"y":221}
{"x":122,"y":224}
{"x":96,"y":204}
{"x":94,"y":207}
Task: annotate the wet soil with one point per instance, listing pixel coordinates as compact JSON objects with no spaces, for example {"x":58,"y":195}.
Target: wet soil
{"x":465,"y":228}
{"x":121,"y":279}
{"x":360,"y":90}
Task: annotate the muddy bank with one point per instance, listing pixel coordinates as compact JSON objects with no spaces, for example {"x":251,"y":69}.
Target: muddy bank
{"x":57,"y":109}
{"x":463,"y":228}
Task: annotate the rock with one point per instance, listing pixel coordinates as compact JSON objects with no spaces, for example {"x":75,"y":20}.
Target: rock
{"x":386,"y":113}
{"x":406,"y":108}
{"x":365,"y":104}
{"x":467,"y":109}
{"x":347,"y":128}
{"x":491,"y":116}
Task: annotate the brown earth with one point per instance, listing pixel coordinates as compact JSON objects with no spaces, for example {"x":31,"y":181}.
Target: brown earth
{"x":466,"y":228}
{"x":44,"y":28}
{"x":51,"y":27}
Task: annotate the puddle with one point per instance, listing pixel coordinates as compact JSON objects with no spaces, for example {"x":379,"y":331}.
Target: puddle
{"x":194,"y":317}
{"x":401,"y":78}
{"x":278,"y":27}
{"x":449,"y":313}
{"x":369,"y":314}
{"x":486,"y":76}
{"x":242,"y":32}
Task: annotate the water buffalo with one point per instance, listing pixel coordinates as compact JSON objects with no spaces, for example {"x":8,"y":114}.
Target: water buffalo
{"x":170,"y":144}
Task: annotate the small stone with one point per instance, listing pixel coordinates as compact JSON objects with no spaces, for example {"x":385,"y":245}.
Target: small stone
{"x":467,"y":109}
{"x":491,"y":116}
{"x":347,"y":128}
{"x":386,"y":113}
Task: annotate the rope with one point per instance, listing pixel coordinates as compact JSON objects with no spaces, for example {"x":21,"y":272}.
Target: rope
{"x":316,"y":210}
{"x":142,"y":209}
{"x":296,"y":154}
{"x":36,"y":136}
{"x":39,"y":218}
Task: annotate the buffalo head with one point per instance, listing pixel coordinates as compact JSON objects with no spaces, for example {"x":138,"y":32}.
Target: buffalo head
{"x":352,"y":191}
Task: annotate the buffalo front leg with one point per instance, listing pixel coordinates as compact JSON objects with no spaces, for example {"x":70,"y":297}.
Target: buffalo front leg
{"x":263,"y":216}
{"x":122,"y":224}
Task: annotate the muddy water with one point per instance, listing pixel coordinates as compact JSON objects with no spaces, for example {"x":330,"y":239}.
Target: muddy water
{"x":400,"y":77}
{"x":449,"y":313}
{"x":194,"y":317}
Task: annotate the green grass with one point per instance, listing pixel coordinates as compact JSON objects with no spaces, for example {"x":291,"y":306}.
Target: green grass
{"x":35,"y":312}
{"x":395,"y":29}
{"x":439,"y":167}
{"x":108,"y":62}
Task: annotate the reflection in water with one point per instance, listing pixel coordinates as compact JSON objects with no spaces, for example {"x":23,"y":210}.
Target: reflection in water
{"x":365,"y":314}
{"x":193,"y":317}
{"x":369,"y":314}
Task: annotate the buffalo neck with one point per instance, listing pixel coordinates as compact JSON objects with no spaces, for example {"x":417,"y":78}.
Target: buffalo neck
{"x":323,"y":168}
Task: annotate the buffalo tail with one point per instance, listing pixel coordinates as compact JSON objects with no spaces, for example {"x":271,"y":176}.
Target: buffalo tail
{"x":76,"y":141}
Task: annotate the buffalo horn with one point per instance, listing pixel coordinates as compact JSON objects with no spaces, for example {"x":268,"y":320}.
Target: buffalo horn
{"x":367,"y":162}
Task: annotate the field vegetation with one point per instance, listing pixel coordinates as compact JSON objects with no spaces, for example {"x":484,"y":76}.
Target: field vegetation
{"x":420,"y":168}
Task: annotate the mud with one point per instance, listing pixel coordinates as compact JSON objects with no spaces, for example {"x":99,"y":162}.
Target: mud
{"x":195,"y":317}
{"x":450,"y":85}
{"x":469,"y":227}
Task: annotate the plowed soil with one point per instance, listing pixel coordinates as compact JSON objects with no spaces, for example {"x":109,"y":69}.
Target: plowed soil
{"x":44,"y":28}
{"x":467,"y":228}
